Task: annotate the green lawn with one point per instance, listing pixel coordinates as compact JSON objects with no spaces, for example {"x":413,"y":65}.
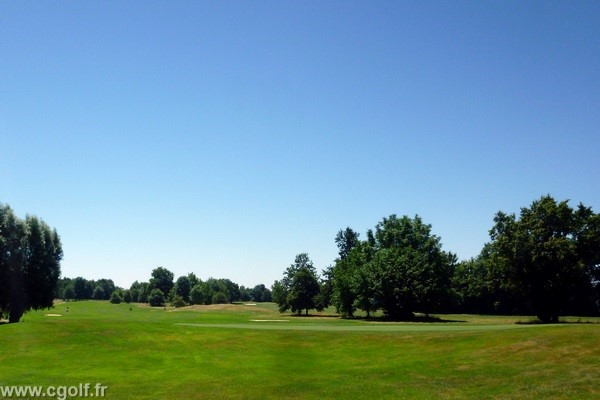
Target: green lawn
{"x":219,"y":352}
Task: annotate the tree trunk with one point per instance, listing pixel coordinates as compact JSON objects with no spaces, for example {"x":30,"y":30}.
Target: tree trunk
{"x":14,"y":316}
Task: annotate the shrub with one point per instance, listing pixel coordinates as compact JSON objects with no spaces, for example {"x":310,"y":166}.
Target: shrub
{"x":219,"y":298}
{"x":115,"y":298}
{"x":178,"y":302}
{"x":156,"y":298}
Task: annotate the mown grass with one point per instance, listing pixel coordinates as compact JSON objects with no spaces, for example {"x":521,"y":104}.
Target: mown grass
{"x":218,"y":352}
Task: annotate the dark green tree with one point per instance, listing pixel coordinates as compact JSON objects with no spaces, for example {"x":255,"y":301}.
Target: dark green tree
{"x":68,"y":293}
{"x":162,"y":279}
{"x":201,"y":293}
{"x":115,"y":298}
{"x":156,"y":298}
{"x":183,"y":288}
{"x":299,"y":286}
{"x":548,"y":254}
{"x":30,"y":254}
{"x":98,"y":293}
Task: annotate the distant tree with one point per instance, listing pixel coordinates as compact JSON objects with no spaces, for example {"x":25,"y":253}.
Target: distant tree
{"x":260,"y":293}
{"x":135,"y":295}
{"x":127,"y":296}
{"x":183,"y":288}
{"x":232,"y":290}
{"x":98,"y":293}
{"x":279,"y":292}
{"x":115,"y":298}
{"x":245,"y":293}
{"x":162,"y":279}
{"x":68,"y":293}
{"x":156,"y":298}
{"x":219,"y":298}
{"x":108,"y":287}
{"x":550,"y":254}
{"x":202,"y":293}
{"x":178,"y":301}
{"x":266,"y":296}
{"x":30,"y":254}
{"x":82,"y":289}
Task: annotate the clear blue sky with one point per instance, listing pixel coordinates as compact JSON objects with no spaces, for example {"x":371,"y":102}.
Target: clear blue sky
{"x":223,"y":138}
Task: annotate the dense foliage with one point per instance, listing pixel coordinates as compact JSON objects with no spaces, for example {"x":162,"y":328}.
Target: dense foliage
{"x":30,"y":255}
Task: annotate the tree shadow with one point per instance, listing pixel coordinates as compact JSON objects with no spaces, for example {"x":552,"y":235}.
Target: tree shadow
{"x":414,"y":318}
{"x":559,"y":322}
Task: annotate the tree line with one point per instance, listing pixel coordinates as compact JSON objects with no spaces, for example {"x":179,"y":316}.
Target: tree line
{"x":545,"y":262}
{"x":161,"y":288}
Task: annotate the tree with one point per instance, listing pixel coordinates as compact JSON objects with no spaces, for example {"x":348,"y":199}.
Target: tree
{"x":411,"y":272}
{"x":299,"y":286}
{"x":549,"y":254}
{"x":183,"y":288}
{"x":127,"y":296}
{"x":30,"y":254}
{"x":400,"y":268}
{"x":68,"y":293}
{"x":162,"y":279}
{"x":178,"y":302}
{"x":115,"y":298}
{"x":201,"y":293}
{"x":82,"y":289}
{"x":346,"y":240}
{"x":219,"y":298}
{"x":156,"y":298}
{"x":98,"y":293}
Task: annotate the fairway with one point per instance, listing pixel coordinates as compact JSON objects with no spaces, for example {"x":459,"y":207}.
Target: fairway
{"x":219,"y":352}
{"x":363,"y":328}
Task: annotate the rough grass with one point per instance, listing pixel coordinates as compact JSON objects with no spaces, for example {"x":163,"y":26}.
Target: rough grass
{"x":218,"y":352}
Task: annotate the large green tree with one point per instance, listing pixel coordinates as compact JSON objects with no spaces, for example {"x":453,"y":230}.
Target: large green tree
{"x":550,"y":254}
{"x":30,"y":254}
{"x":299,"y":288}
{"x":162,"y":279}
{"x":411,"y":272}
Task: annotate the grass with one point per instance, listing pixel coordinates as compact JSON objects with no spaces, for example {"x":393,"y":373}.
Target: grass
{"x":219,"y":352}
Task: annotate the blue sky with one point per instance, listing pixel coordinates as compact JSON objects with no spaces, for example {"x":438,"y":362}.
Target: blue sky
{"x":223,"y":138}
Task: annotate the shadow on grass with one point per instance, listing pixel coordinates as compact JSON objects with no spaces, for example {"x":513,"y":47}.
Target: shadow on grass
{"x":414,"y":318}
{"x":560,"y":322}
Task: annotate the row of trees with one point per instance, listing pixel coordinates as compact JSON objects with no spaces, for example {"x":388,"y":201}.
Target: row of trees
{"x":162,"y":288}
{"x":545,"y":262}
{"x":30,"y":254}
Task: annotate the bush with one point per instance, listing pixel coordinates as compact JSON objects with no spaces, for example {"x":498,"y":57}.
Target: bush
{"x":219,"y":298}
{"x":156,"y":298}
{"x":178,"y":302}
{"x":115,"y":298}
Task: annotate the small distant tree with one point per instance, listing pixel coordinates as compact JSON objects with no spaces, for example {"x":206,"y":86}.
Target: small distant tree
{"x":201,"y":293}
{"x":178,"y":301}
{"x":219,"y":298}
{"x":127,"y":296}
{"x":183,"y":288}
{"x":115,"y":298}
{"x":98,"y":293}
{"x":156,"y":298}
{"x":69,"y":293}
